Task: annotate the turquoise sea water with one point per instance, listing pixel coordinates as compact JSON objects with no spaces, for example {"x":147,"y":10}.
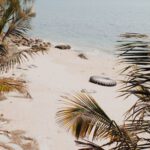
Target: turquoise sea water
{"x":90,"y":24}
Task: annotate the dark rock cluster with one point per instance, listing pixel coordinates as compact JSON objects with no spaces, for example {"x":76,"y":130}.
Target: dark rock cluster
{"x":34,"y":44}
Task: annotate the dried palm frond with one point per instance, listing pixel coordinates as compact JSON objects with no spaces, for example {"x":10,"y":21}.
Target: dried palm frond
{"x":81,"y":114}
{"x":87,"y":145}
{"x":15,"y":17}
{"x":83,"y":117}
{"x":9,"y":85}
{"x":142,"y":129}
{"x":138,"y":126}
{"x":20,"y":24}
{"x":3,"y":50}
{"x":8,"y":11}
{"x":8,"y":62}
{"x":136,"y":55}
{"x":133,"y":35}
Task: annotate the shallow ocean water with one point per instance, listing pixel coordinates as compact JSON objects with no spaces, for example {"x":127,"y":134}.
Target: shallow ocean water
{"x":90,"y":25}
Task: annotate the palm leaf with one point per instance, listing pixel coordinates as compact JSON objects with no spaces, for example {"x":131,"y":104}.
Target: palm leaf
{"x":136,"y":55}
{"x":3,"y":50}
{"x":9,"y":85}
{"x":133,"y":35}
{"x":82,"y":114}
{"x":15,"y":20}
{"x":15,"y":17}
{"x":11,"y":60}
{"x":20,"y":23}
{"x":142,"y":129}
{"x":87,"y":145}
{"x":83,"y":117}
{"x":8,"y":12}
{"x":138,"y":126}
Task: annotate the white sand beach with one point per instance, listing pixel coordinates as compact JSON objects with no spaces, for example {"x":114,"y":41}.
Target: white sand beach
{"x":48,"y":77}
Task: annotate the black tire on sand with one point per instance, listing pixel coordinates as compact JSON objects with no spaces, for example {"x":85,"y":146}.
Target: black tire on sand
{"x":104,"y":81}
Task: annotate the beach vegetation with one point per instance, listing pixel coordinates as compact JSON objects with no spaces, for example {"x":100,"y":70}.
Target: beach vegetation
{"x":15,"y":19}
{"x":13,"y":85}
{"x":15,"y":22}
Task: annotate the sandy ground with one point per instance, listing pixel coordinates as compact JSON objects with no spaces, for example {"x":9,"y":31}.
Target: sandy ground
{"x":49,"y":76}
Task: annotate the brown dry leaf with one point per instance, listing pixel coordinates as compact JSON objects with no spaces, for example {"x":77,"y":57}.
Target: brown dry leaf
{"x":10,"y":85}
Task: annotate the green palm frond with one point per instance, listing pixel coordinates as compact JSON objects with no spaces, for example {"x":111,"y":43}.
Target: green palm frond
{"x":9,"y":85}
{"x":136,"y":55}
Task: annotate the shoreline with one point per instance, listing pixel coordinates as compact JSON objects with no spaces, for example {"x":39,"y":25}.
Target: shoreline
{"x":86,"y":49}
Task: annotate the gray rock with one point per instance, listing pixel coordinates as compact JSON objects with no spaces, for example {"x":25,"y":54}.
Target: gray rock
{"x":83,"y":56}
{"x":63,"y":47}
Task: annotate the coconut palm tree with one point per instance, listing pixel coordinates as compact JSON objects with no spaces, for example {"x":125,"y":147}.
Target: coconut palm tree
{"x":82,"y":115}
